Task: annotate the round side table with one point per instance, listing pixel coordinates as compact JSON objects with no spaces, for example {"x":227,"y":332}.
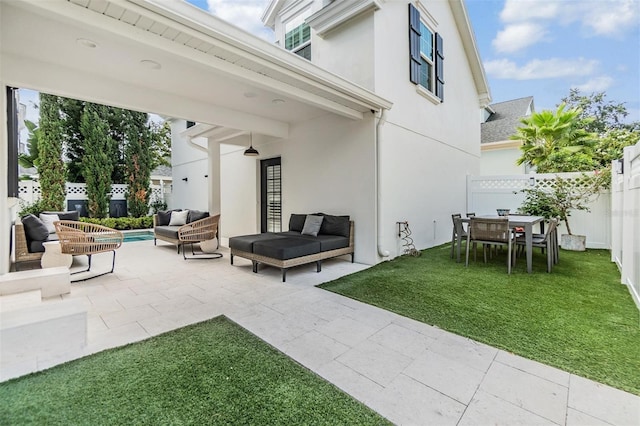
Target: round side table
{"x":53,"y":257}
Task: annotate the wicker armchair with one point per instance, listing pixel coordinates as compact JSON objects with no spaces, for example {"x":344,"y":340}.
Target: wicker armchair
{"x":197,"y":232}
{"x":82,"y":238}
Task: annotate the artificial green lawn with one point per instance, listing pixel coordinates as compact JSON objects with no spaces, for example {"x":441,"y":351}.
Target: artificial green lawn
{"x":213,"y":372}
{"x":578,"y":318}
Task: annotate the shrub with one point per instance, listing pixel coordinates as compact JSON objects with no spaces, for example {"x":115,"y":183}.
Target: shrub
{"x":122,"y":223}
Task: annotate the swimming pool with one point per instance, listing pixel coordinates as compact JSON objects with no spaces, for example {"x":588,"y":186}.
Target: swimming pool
{"x":138,"y":235}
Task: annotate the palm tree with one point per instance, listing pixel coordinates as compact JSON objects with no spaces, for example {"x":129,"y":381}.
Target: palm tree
{"x":553,"y":141}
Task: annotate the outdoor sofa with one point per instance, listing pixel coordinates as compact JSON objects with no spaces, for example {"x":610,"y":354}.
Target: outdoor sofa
{"x":31,"y":231}
{"x":182,"y":227}
{"x":308,"y":240}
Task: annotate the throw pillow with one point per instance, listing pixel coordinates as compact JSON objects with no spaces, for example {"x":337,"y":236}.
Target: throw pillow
{"x":312,"y":225}
{"x":296,"y":222}
{"x":72,"y":215}
{"x":164,"y":217}
{"x":196,"y":215}
{"x":34,"y":229}
{"x":179,"y":218}
{"x":335,"y":225}
{"x":48,"y":220}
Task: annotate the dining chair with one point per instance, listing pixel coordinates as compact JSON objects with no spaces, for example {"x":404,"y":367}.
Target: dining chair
{"x":490,"y":232}
{"x":458,"y":234}
{"x":471,"y":215}
{"x":546,"y":242}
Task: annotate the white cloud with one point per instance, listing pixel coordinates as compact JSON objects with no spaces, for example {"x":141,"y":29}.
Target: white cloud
{"x":245,"y":14}
{"x":610,"y":17}
{"x":518,"y":36}
{"x":526,"y":10}
{"x":540,"y":68}
{"x":597,"y":84}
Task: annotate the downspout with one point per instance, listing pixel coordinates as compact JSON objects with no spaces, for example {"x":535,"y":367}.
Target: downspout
{"x":381,"y":120}
{"x":195,"y":145}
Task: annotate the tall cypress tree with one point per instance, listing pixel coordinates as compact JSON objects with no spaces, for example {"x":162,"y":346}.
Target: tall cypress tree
{"x":50,"y":165}
{"x":138,"y":160}
{"x":97,"y":162}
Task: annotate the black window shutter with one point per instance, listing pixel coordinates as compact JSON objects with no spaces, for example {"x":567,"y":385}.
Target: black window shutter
{"x":414,"y":44}
{"x":13,"y":134}
{"x":439,"y":57}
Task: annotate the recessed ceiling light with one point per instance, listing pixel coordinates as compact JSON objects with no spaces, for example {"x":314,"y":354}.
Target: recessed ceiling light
{"x":250,"y":95}
{"x":277,"y":101}
{"x":152,"y":65}
{"x":87,"y":43}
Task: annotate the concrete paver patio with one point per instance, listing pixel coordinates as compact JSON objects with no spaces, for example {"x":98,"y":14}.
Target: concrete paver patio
{"x":407,"y":371}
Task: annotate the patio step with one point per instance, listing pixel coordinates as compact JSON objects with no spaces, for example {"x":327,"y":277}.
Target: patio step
{"x":42,"y":331}
{"x":51,"y":281}
{"x":13,"y":302}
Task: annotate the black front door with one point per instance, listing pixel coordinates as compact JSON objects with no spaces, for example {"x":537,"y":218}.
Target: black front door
{"x":271,"y":195}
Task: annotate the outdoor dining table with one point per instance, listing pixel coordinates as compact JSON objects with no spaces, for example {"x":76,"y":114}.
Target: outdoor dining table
{"x":525,"y":222}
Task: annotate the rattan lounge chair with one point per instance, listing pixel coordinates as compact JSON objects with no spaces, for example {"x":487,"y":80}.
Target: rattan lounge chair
{"x":82,"y":238}
{"x":198,"y":232}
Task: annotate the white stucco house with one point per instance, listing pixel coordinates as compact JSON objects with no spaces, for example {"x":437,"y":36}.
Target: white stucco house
{"x":499,"y":153}
{"x":347,"y":110}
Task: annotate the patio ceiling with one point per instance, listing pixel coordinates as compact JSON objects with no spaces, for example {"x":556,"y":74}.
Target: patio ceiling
{"x":169,"y":58}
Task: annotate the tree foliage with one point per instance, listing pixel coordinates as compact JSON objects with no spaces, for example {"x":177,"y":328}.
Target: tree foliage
{"x":597,"y":114}
{"x":554,"y":141}
{"x":50,"y":165}
{"x":98,"y":162}
{"x":30,"y":160}
{"x":137,"y":170}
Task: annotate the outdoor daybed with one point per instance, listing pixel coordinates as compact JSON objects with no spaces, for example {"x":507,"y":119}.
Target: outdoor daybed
{"x":311,"y":238}
{"x":181,"y":227}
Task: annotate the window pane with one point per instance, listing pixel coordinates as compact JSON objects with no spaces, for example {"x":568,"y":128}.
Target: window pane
{"x":305,"y":52}
{"x":425,"y":75}
{"x":297,"y":36}
{"x":426,"y":41}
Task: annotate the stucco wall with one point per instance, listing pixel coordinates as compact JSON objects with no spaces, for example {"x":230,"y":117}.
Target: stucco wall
{"x":501,"y":162}
{"x":191,"y":163}
{"x":427,"y":149}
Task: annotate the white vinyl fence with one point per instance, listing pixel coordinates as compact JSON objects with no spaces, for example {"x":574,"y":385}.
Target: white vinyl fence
{"x":625,"y":206}
{"x":485,"y":194}
{"x":29,"y":192}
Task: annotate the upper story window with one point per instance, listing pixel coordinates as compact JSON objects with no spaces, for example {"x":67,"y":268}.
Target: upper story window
{"x":297,"y":36}
{"x":426,"y":57}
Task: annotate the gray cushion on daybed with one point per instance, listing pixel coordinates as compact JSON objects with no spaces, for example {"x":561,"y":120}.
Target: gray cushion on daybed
{"x":335,"y":225}
{"x":296,"y":222}
{"x":245,"y":242}
{"x":327,"y":242}
{"x":167,"y":231}
{"x":286,"y":248}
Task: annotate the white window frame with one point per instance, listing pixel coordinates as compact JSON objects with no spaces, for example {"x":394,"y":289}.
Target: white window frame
{"x":428,"y":21}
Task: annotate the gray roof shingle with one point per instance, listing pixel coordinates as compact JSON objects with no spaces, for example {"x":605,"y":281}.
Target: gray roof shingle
{"x":506,"y":118}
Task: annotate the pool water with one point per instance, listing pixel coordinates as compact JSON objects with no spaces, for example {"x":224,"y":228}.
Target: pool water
{"x":140,"y":235}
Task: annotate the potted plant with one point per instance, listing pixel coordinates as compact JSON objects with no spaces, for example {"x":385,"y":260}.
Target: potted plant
{"x":560,"y":199}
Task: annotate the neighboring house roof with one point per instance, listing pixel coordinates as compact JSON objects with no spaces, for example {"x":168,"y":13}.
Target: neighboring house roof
{"x":505,"y":119}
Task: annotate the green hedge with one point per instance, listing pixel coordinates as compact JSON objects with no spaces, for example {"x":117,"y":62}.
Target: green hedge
{"x":122,"y":222}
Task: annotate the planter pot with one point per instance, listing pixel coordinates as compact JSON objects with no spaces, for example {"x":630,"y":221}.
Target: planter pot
{"x":573,"y":242}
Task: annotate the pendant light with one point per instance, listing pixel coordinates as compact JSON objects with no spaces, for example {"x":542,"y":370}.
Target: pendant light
{"x":251,"y":151}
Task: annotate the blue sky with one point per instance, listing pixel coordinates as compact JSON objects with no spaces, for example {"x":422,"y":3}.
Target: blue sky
{"x":539,"y":48}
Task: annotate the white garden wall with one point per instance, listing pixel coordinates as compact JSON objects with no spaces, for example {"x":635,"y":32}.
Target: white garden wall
{"x":625,"y":205}
{"x":485,"y":194}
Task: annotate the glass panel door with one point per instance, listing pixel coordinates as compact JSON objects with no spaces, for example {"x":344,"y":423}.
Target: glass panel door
{"x":271,"y":195}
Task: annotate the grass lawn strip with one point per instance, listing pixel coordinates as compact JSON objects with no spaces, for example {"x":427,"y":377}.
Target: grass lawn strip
{"x":579,"y":318}
{"x":214,"y":372}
